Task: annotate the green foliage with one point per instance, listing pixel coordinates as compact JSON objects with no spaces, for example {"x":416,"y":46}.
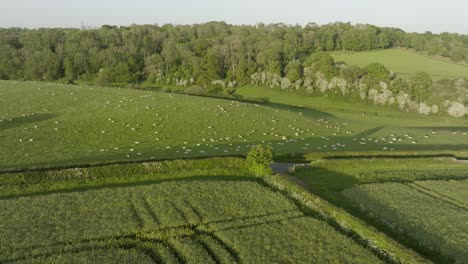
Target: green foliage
{"x":421,"y":84}
{"x":383,"y":41}
{"x":351,"y":73}
{"x":399,"y":85}
{"x":322,"y":62}
{"x":293,"y":71}
{"x":196,"y":90}
{"x":377,"y":71}
{"x":161,"y":53}
{"x":259,"y":159}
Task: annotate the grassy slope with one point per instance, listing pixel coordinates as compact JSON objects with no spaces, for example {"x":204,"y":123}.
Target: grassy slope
{"x":368,"y":123}
{"x":405,"y":63}
{"x":47,"y":124}
{"x":50,"y":125}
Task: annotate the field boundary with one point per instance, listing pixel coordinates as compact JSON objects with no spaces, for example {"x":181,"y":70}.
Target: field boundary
{"x":296,"y":157}
{"x":383,"y":246}
{"x":457,"y":155}
{"x":110,"y":163}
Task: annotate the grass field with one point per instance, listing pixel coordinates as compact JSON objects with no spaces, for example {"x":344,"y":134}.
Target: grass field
{"x":426,"y":214}
{"x":44,"y":124}
{"x":404,"y":62}
{"x":422,"y":201}
{"x":226,"y":218}
{"x":370,"y":127}
{"x":214,"y":210}
{"x":56,"y":125}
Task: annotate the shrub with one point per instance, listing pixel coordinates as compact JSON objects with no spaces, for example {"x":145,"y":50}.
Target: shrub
{"x":259,"y":159}
{"x":197,"y":90}
{"x":456,"y":110}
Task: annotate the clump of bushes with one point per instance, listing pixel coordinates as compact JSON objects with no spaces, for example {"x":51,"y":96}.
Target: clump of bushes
{"x":259,"y":159}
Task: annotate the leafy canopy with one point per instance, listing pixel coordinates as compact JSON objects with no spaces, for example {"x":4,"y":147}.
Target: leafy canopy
{"x":259,"y":159}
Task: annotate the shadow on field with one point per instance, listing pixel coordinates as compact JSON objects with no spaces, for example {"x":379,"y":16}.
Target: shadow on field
{"x":443,"y":128}
{"x":309,"y":112}
{"x":328,"y":184}
{"x":293,"y":151}
{"x":134,"y":183}
{"x":368,"y":132}
{"x":23,"y":120}
{"x":322,"y":180}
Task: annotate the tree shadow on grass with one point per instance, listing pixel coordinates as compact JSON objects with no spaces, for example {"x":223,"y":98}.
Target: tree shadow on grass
{"x":131,"y":183}
{"x":23,"y":120}
{"x":443,"y":128}
{"x":322,"y":181}
{"x":306,"y":111}
{"x":291,"y":151}
{"x":329,"y":185}
{"x":369,"y":132}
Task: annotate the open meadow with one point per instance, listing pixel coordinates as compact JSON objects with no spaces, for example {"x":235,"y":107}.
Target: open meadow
{"x":404,"y":63}
{"x":46,"y":125}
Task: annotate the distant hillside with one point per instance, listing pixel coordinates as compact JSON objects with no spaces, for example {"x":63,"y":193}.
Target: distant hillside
{"x":404,"y":62}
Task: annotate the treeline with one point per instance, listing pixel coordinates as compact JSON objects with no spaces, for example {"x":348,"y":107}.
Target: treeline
{"x":320,"y":75}
{"x":215,"y":56}
{"x":196,"y":53}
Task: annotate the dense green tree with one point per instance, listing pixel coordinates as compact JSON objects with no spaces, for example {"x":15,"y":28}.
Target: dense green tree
{"x":351,"y":73}
{"x":421,"y":84}
{"x":322,"y":62}
{"x":293,"y":71}
{"x":383,"y":41}
{"x":259,"y":159}
{"x":399,"y":85}
{"x":377,"y":71}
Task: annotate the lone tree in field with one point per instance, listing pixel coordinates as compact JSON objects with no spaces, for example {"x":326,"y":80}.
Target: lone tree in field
{"x":259,"y":159}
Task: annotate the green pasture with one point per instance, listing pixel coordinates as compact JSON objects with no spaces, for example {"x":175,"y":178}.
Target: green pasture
{"x":44,"y":124}
{"x":404,"y":62}
{"x":369,"y":127}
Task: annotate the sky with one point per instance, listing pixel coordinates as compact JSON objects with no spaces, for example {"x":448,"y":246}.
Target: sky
{"x":410,"y":15}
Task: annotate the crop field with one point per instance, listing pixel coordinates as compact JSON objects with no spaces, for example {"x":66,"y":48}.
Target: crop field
{"x":405,"y":63}
{"x":212,"y":219}
{"x":44,"y":124}
{"x":428,"y":213}
{"x":421,"y":200}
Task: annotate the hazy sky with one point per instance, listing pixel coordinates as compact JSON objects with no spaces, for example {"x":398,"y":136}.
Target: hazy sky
{"x":409,"y":15}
